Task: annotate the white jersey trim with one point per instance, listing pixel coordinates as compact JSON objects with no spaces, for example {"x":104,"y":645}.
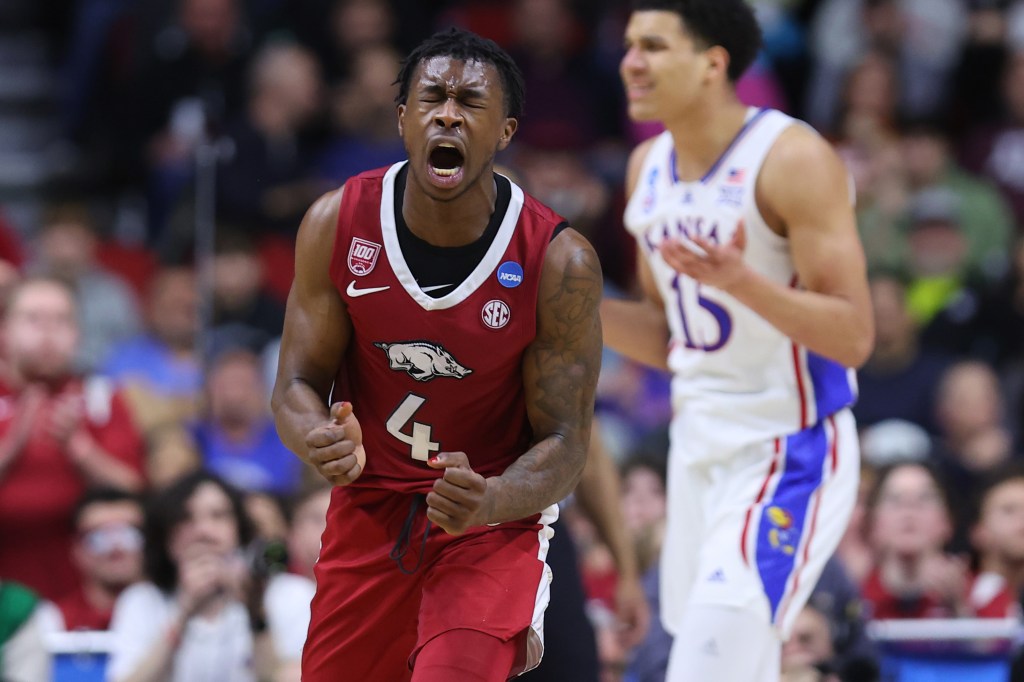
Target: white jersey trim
{"x":480,"y":273}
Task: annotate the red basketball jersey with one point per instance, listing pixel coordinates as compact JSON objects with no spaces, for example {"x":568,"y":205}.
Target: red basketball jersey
{"x":428,"y":375}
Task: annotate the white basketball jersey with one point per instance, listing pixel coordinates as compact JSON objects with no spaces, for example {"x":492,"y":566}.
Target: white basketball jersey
{"x":736,"y":378}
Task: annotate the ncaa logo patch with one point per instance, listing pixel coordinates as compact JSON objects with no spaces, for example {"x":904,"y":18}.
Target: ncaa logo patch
{"x":510,"y":274}
{"x":362,"y":256}
{"x":495,"y":314}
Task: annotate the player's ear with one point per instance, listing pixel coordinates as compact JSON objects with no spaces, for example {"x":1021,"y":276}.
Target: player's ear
{"x":718,"y":62}
{"x":507,"y":131}
{"x":401,"y":120}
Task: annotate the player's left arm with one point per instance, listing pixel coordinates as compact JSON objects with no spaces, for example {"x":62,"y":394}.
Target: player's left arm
{"x":807,"y":186}
{"x":804,"y":187}
{"x":560,"y":369}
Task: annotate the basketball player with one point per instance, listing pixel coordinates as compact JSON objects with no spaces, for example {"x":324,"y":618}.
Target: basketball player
{"x":754,"y":279}
{"x":458,"y":319}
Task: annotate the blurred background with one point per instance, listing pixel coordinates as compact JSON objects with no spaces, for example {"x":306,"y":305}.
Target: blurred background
{"x":155,"y":161}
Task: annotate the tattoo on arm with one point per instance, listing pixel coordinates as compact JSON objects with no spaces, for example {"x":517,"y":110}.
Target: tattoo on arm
{"x":560,"y":375}
{"x":568,"y":359}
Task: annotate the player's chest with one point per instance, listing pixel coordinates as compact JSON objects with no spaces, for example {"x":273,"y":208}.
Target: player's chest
{"x":691,"y":211}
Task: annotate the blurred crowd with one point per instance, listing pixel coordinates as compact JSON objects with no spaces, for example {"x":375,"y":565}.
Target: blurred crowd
{"x":143,"y":297}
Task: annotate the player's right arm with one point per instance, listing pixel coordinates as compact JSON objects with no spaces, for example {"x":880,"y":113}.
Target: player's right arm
{"x":638,"y":329}
{"x":317,"y":330}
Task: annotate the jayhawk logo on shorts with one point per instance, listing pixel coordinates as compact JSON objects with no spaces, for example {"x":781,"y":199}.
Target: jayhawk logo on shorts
{"x":423,"y":360}
{"x":782,"y":535}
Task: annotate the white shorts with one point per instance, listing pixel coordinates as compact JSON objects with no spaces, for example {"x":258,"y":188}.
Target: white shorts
{"x":755,"y":529}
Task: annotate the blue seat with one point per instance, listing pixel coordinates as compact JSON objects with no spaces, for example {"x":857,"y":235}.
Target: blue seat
{"x":933,"y":650}
{"x":79,"y":656}
{"x":937,"y":668}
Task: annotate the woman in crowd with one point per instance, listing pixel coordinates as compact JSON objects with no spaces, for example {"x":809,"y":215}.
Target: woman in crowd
{"x":190,"y":621}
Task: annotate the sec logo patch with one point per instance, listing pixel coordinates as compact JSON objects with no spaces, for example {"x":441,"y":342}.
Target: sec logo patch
{"x":495,"y":314}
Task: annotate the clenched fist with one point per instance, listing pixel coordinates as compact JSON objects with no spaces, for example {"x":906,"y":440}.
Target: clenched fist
{"x":335,"y":448}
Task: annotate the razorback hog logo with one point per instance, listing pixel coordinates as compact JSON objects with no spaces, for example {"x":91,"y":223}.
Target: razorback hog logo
{"x":423,"y":360}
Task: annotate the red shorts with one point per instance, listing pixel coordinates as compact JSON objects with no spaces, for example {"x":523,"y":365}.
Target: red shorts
{"x":369,"y":619}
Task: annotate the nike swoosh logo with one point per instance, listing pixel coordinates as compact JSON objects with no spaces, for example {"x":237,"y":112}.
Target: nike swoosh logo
{"x":356,"y":293}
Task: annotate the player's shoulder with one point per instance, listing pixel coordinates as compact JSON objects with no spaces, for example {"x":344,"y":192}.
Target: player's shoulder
{"x":799,"y":150}
{"x":640,"y":152}
{"x":570,"y":256}
{"x":540,"y":212}
{"x":322,"y":215}
{"x":372,"y":175}
{"x":638,"y":157}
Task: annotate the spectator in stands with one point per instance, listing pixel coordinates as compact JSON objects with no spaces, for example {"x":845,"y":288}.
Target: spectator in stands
{"x":809,"y":647}
{"x":569,"y":183}
{"x":973,"y":439}
{"x":991,"y":326}
{"x":998,"y":538}
{"x":937,"y":253}
{"x":643,"y":511}
{"x":264,"y":184}
{"x":924,"y":39}
{"x":981,"y":213}
{"x":308,"y":518}
{"x":900,"y":378}
{"x":107,"y":310}
{"x":289,"y":593}
{"x":867,"y":114}
{"x":363,"y":117}
{"x":338,"y":30}
{"x":189,"y":620}
{"x":574,"y":101}
{"x":171,"y":454}
{"x":268,"y":515}
{"x":236,"y":435}
{"x":910,"y":525}
{"x":159,"y":370}
{"x":108,"y":554}
{"x":60,"y":434}
{"x":855,"y":554}
{"x":241,"y":306}
{"x":189,"y":85}
{"x":24,"y":622}
{"x":997,"y":150}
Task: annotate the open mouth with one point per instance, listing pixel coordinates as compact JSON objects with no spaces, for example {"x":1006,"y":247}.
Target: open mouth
{"x":446,"y":161}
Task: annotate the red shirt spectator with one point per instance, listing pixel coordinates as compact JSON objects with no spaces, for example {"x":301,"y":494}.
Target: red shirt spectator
{"x":79,"y":614}
{"x":885,"y":605}
{"x":910,"y":524}
{"x":107,"y":552}
{"x":998,"y":537}
{"x":58,"y":435}
{"x":991,"y":596}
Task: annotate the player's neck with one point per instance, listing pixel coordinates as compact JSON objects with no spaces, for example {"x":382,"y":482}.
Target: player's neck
{"x":703,"y":133}
{"x":457,"y":222}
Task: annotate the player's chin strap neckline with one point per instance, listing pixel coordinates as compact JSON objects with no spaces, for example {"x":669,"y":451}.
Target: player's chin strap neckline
{"x":401,"y":547}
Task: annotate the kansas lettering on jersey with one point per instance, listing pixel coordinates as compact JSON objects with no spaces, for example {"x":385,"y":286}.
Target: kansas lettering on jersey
{"x":736,"y":378}
{"x":428,"y":375}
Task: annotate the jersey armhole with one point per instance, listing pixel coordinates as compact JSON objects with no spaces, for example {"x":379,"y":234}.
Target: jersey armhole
{"x":558,"y":229}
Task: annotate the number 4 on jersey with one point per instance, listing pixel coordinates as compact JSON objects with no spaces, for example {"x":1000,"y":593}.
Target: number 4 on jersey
{"x":419,"y":441}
